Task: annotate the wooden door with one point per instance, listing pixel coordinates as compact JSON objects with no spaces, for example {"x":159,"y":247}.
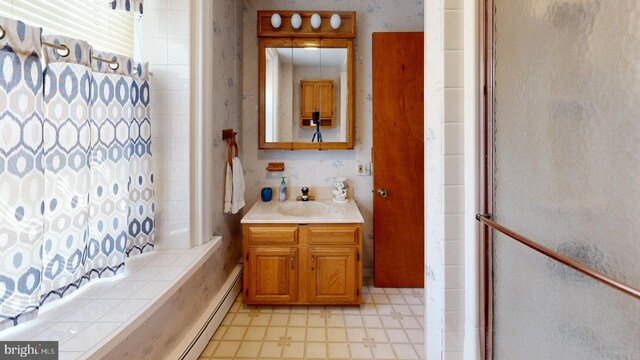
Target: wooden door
{"x":332,"y":275}
{"x":398,"y":155}
{"x":273,"y":275}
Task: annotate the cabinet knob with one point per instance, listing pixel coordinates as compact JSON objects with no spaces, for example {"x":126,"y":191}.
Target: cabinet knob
{"x":382,"y":192}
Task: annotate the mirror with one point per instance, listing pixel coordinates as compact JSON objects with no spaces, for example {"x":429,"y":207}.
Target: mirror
{"x":306,"y":92}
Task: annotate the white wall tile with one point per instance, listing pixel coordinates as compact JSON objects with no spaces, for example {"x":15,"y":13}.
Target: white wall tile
{"x":155,"y":23}
{"x":453,"y":30}
{"x":453,"y":170}
{"x":454,"y":299}
{"x":155,"y":5}
{"x":454,"y":252}
{"x":453,"y":4}
{"x":454,"y":320}
{"x":454,"y":199}
{"x":154,"y":50}
{"x":450,"y":355}
{"x":177,"y":4}
{"x":178,"y":23}
{"x":454,"y":105}
{"x":178,"y":102}
{"x":454,"y":276}
{"x":453,"y":139}
{"x":453,"y":176}
{"x":179,"y":75}
{"x":178,"y":50}
{"x":454,"y":68}
{"x":454,"y":226}
{"x":453,"y":341}
{"x":169,"y":115}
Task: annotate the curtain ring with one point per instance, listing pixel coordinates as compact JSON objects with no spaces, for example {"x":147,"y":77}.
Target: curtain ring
{"x":3,"y":33}
{"x":63,"y":50}
{"x":114,"y":65}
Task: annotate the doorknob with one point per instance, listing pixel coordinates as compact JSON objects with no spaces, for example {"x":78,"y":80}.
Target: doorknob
{"x":382,"y":192}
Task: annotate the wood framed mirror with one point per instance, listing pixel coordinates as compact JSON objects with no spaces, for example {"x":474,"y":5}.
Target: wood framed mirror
{"x":306,"y":83}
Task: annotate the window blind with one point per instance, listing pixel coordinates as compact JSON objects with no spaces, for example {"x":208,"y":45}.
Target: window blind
{"x":91,"y":20}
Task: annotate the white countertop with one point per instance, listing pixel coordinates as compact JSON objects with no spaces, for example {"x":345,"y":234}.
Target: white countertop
{"x":303,"y":212}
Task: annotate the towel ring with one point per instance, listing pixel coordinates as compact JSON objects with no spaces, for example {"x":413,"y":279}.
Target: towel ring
{"x":233,"y":145}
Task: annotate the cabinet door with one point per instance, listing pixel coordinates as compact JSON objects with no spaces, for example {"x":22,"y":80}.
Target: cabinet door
{"x":273,"y":275}
{"x":308,"y":101}
{"x":325,"y":90}
{"x":332,"y":275}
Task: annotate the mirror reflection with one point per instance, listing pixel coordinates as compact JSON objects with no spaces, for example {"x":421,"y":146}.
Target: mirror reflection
{"x":305,"y":91}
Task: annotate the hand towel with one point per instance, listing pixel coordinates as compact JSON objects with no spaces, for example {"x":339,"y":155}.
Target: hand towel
{"x":237,"y":197}
{"x":228,"y":190}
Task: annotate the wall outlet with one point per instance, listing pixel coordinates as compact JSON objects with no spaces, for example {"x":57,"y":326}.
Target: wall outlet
{"x":363,"y":168}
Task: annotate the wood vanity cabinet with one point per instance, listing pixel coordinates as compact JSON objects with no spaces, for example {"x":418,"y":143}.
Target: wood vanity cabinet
{"x":303,"y":264}
{"x":316,"y":95}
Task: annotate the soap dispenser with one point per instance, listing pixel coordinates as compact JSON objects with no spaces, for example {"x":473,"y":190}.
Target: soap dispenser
{"x":283,"y":190}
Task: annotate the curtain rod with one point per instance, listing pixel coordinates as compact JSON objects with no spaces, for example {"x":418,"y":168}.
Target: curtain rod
{"x":114,"y":65}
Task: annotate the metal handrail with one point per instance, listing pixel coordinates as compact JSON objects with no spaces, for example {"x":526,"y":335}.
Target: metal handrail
{"x":486,"y":219}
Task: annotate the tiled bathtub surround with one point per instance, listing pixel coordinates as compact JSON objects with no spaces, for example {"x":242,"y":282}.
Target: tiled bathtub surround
{"x":134,"y":305}
{"x":387,"y":326}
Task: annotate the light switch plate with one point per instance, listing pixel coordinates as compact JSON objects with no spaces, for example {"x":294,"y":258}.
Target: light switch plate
{"x":363,"y":168}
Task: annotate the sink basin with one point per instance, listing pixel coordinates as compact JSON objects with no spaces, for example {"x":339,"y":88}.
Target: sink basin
{"x":303,"y":208}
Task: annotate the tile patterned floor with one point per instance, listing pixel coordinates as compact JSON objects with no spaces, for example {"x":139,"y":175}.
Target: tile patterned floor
{"x":388,"y":325}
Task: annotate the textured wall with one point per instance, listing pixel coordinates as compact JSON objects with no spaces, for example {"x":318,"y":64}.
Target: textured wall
{"x":316,"y":168}
{"x":227,"y":80}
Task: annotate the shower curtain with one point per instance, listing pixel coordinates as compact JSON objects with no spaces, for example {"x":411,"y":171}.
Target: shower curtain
{"x":76,"y":182}
{"x":21,"y":172}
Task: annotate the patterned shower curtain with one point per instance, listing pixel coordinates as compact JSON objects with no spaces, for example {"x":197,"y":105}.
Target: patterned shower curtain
{"x":128,"y":5}
{"x":141,"y":199}
{"x":67,"y":147}
{"x":76,"y":184}
{"x":111,"y":116}
{"x":21,"y":173}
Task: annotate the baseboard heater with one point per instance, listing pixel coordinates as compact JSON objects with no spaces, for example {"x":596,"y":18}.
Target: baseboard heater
{"x":212,"y":318}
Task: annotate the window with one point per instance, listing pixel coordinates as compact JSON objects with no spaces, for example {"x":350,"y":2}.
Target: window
{"x":91,"y":20}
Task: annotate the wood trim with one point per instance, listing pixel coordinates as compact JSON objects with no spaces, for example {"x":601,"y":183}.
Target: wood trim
{"x":347,"y":29}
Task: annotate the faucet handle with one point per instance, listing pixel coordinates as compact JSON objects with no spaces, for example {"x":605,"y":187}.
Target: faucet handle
{"x":305,"y":193}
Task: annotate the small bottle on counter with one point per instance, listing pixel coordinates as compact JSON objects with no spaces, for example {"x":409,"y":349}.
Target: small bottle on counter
{"x":283,"y":190}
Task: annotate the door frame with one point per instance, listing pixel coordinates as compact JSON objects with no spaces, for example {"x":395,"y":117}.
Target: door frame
{"x":486,"y":160}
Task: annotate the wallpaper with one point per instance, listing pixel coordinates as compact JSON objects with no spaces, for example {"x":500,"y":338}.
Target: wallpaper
{"x":316,"y":168}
